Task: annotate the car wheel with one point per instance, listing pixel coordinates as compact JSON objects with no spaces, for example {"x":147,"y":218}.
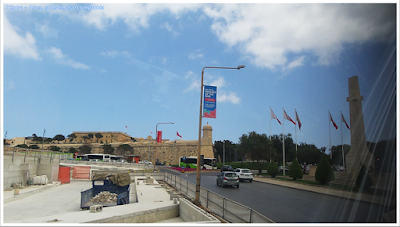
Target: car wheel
{"x":237,"y":186}
{"x":217,"y":183}
{"x":251,"y":180}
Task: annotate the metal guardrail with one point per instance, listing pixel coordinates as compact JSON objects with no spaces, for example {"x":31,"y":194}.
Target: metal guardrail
{"x":227,"y":209}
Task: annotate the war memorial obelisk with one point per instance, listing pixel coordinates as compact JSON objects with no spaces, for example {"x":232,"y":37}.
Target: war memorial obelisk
{"x":359,"y":154}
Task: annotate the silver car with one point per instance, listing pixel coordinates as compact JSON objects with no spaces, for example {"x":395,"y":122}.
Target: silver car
{"x":228,"y":178}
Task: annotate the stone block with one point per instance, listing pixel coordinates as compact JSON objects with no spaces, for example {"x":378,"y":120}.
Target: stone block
{"x":96,"y":208}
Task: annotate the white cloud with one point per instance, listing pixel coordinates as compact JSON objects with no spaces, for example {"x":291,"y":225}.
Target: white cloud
{"x":230,"y":97}
{"x":14,"y":44}
{"x":219,"y":82}
{"x":169,"y":28}
{"x":196,"y":54}
{"x":63,"y":59}
{"x":46,"y":30}
{"x":136,"y":16}
{"x":194,"y":81}
{"x":267,"y":33}
{"x":297,"y":62}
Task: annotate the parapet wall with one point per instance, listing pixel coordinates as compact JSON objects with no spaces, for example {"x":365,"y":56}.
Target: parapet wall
{"x":189,"y":212}
{"x":19,"y":168}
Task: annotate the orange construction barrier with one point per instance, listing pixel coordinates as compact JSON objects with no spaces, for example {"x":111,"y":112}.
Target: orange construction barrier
{"x":81,"y":172}
{"x":64,"y":174}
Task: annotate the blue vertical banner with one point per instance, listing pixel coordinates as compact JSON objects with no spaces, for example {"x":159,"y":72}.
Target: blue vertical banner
{"x":210,"y":102}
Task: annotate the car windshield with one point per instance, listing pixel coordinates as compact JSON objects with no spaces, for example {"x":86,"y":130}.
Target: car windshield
{"x":246,"y":171}
{"x":230,"y":175}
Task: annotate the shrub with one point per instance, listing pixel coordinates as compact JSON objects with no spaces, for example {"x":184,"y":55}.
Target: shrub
{"x":324,"y":173}
{"x":22,"y":146}
{"x":34,"y":146}
{"x":363,"y":181}
{"x":272,"y":169}
{"x":295,"y":170}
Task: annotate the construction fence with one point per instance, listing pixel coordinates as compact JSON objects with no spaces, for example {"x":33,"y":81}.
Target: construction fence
{"x":227,"y":209}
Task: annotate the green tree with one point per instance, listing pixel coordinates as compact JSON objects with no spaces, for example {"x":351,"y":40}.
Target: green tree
{"x":59,"y":138}
{"x":290,"y":147}
{"x":324,"y":173}
{"x":98,"y":136}
{"x":108,"y":149}
{"x":229,"y":150}
{"x":54,"y":148}
{"x":272,"y":169}
{"x":255,"y":146}
{"x":72,"y":150}
{"x":85,"y":149}
{"x":36,"y":139}
{"x":295,"y":170}
{"x":85,"y":138}
{"x":308,"y":153}
{"x":71,"y":136}
{"x":22,"y":146}
{"x":48,"y":140}
{"x":133,"y":139}
{"x":337,"y":157}
{"x":90,"y":136}
{"x":34,"y":146}
{"x":124,"y":149}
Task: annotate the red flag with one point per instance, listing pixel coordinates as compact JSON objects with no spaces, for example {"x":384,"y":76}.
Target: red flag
{"x":298,"y":120}
{"x":285,"y":116}
{"x":159,"y":136}
{"x":178,"y":134}
{"x":343,"y":120}
{"x":151,"y":132}
{"x":273,"y":116}
{"x":334,"y":124}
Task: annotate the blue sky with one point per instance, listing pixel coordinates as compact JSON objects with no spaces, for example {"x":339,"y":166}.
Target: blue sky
{"x":137,"y":65}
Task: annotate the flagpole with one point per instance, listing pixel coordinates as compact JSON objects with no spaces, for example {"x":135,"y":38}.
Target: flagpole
{"x":270,"y":155}
{"x":295,"y":130}
{"x":283,"y":135}
{"x":330,"y":144}
{"x":341,"y":133}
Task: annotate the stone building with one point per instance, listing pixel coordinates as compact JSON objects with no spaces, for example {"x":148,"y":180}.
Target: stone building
{"x":148,"y":149}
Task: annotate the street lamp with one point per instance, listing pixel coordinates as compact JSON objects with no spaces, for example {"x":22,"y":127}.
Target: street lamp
{"x":197,"y":199}
{"x":156,"y":141}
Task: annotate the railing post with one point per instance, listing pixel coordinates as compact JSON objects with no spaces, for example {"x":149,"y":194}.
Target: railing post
{"x":251,"y":212}
{"x":25,"y":156}
{"x":207,"y":199}
{"x":223,"y":207}
{"x":12,"y":160}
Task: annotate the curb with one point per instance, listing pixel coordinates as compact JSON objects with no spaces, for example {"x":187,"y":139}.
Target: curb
{"x":26,"y":194}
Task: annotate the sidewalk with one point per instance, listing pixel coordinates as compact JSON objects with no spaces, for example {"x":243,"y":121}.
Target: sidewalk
{"x":375,"y":199}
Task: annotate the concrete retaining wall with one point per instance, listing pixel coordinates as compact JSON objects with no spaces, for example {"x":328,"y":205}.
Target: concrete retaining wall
{"x":148,"y":216}
{"x":20,"y":169}
{"x":189,"y":212}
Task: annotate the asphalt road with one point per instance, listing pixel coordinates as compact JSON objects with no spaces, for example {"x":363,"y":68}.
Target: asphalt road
{"x":288,"y":205}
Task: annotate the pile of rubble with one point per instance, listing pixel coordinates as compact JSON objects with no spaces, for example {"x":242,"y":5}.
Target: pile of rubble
{"x":105,"y":197}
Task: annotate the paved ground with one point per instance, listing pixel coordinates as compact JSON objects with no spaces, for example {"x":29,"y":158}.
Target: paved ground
{"x":36,"y":204}
{"x":61,"y":203}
